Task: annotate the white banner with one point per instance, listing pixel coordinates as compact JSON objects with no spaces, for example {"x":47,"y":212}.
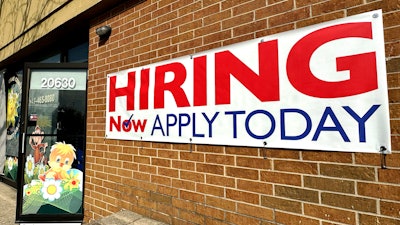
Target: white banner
{"x":321,"y":87}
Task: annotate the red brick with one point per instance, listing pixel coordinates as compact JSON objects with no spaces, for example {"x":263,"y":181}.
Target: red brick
{"x":295,"y":15}
{"x":240,"y":219}
{"x":349,"y":202}
{"x":242,"y":173}
{"x":339,"y":157}
{"x":209,"y":168}
{"x":297,"y":193}
{"x":381,"y":191}
{"x":125,"y":157}
{"x":182,"y":184}
{"x":392,"y":65}
{"x":320,"y":19}
{"x":368,"y":159}
{"x":187,"y":175}
{"x":210,"y":212}
{"x":183,"y":204}
{"x":168,"y":172}
{"x":206,"y":11}
{"x":185,"y":165}
{"x":242,"y":196}
{"x":391,"y":209}
{"x":238,"y":20}
{"x":220,"y":180}
{"x":290,"y":219}
{"x":333,"y":5}
{"x":331,"y":214}
{"x":168,"y":191}
{"x":217,"y":37}
{"x":192,"y":217}
{"x":365,"y":8}
{"x":192,"y":156}
{"x":389,"y":176}
{"x":351,"y":172}
{"x":335,"y":185}
{"x":280,"y":178}
{"x":281,"y":204}
{"x":257,"y":187}
{"x":285,"y":154}
{"x":210,"y":149}
{"x":249,"y":29}
{"x":255,"y":211}
{"x":189,"y":26}
{"x":142,"y":159}
{"x":237,"y":39}
{"x":216,"y":17}
{"x":161,"y":162}
{"x":295,"y":167}
{"x":274,"y":9}
{"x":251,"y":162}
{"x":192,"y":196}
{"x":221,"y":203}
{"x":220,"y":159}
{"x":210,"y":190}
{"x":370,"y":219}
{"x":147,"y":169}
{"x":241,"y":151}
{"x":248,"y":6}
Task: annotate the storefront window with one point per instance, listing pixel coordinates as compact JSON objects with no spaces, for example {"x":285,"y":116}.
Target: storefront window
{"x":13,"y":96}
{"x":13,"y":121}
{"x":78,"y":54}
{"x":52,"y":59}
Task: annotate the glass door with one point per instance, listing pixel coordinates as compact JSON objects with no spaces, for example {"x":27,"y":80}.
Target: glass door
{"x":52,"y":151}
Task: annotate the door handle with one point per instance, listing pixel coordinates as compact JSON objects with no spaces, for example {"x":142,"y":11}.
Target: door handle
{"x":23,"y":143}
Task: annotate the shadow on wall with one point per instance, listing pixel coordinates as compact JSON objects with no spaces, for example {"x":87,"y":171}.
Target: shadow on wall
{"x":2,"y":124}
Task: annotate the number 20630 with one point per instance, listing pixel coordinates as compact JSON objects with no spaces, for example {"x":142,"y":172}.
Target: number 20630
{"x":59,"y":83}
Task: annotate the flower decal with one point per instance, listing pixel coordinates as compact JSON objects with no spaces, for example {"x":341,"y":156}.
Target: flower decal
{"x":10,"y":163}
{"x":29,"y":165}
{"x":51,"y":189}
{"x":41,"y":169}
{"x":74,"y":181}
{"x":27,"y":191}
{"x":32,"y":188}
{"x":54,"y":185}
{"x":12,"y":107}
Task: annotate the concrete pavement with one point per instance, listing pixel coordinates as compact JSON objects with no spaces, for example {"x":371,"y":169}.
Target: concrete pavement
{"x":126,"y":217}
{"x":8,"y":202}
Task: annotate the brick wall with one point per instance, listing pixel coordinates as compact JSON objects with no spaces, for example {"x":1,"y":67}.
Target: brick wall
{"x":221,"y":184}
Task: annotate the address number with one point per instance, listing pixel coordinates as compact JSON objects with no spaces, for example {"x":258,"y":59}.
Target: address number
{"x":59,"y":83}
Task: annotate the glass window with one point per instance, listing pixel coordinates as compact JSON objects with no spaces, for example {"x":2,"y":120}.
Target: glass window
{"x":78,"y":54}
{"x":52,"y":59}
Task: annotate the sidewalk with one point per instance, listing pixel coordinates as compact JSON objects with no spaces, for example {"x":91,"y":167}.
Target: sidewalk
{"x":8,"y":201}
{"x":126,"y":217}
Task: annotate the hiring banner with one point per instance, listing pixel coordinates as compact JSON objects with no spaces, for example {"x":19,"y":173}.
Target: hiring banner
{"x":322,"y":87}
